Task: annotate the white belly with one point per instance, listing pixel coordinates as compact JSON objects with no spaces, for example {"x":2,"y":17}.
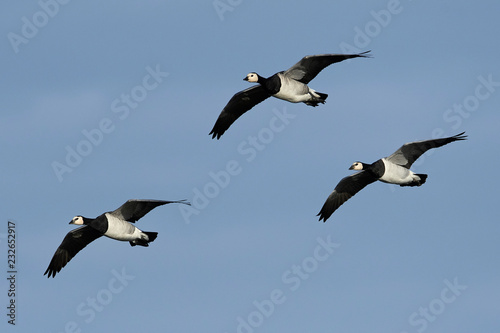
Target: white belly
{"x":292,"y":91}
{"x":121,"y":230}
{"x":396,"y":174}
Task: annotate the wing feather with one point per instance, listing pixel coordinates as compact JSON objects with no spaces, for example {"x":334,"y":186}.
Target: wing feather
{"x":310,"y":66}
{"x":240,"y":103}
{"x":345,"y":190}
{"x":134,"y":209}
{"x":408,"y":153}
{"x":73,"y":243}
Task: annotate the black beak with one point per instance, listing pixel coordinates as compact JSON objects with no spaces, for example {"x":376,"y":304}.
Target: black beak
{"x":351,"y":167}
{"x":71,"y":222}
{"x":246,"y":78}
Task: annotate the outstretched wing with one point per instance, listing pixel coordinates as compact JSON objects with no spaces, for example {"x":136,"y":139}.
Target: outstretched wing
{"x":410,"y":152}
{"x":344,"y":190}
{"x":240,"y":103}
{"x":73,"y":243}
{"x":134,"y":209}
{"x":310,"y":66}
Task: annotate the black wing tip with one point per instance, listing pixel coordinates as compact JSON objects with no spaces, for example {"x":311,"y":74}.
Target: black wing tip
{"x":365,"y":54}
{"x":323,"y":215}
{"x":459,"y":136}
{"x":163,"y":202}
{"x":216,"y":134}
{"x":56,"y":264}
{"x":52,"y":272}
{"x":183,"y":201}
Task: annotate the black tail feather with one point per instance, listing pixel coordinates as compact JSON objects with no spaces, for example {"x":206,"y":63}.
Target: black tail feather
{"x":423,"y":178}
{"x":142,"y":242}
{"x":316,"y":100}
{"x":322,"y":96}
{"x":152,"y":235}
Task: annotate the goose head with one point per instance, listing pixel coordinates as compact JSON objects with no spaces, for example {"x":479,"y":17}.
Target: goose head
{"x":78,"y":220}
{"x":357,"y":166}
{"x":252,"y":77}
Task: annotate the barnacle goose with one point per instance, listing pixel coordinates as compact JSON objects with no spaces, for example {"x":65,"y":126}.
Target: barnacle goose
{"x":116,"y":225}
{"x":290,"y":85}
{"x":394,"y":169}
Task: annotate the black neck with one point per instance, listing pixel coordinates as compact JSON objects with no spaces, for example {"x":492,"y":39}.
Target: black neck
{"x":377,"y":168}
{"x":261,"y":79}
{"x":86,"y":220}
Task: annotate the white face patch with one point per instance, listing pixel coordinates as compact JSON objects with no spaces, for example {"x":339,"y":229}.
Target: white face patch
{"x":78,"y":220}
{"x":252,"y":77}
{"x":357,"y":166}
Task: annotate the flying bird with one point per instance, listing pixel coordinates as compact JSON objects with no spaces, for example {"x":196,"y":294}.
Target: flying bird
{"x":290,"y":85}
{"x":394,"y":169}
{"x":116,"y":225}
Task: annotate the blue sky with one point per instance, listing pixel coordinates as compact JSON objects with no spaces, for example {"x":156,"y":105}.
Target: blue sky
{"x":103,"y":102}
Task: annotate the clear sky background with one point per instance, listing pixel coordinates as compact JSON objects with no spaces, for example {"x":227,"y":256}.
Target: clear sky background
{"x":250,"y":256}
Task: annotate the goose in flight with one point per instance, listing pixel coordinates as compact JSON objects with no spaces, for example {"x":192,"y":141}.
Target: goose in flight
{"x":116,"y":225}
{"x":394,"y":169}
{"x":290,"y":85}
